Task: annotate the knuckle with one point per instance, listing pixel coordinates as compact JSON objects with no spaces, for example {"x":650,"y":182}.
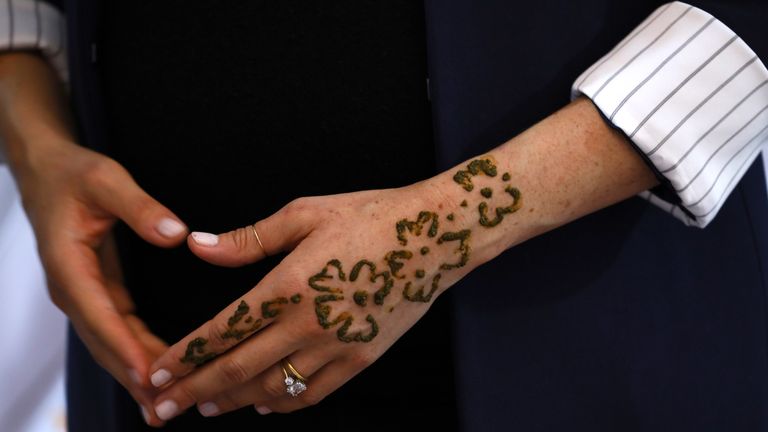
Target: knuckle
{"x":232,"y":371}
{"x":361,"y":359}
{"x":274,"y":388}
{"x":241,"y":239}
{"x":99,"y":172}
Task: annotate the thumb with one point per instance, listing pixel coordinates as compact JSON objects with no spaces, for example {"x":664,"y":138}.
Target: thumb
{"x":278,"y":233}
{"x":117,"y":193}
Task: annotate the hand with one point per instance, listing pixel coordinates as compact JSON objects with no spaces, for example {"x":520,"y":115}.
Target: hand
{"x":364,"y":268}
{"x":73,"y":198}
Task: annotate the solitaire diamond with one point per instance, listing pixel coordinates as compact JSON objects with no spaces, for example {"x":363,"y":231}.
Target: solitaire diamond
{"x":295,"y":388}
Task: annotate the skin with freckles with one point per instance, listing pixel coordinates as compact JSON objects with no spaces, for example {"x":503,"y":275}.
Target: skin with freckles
{"x":371,"y":263}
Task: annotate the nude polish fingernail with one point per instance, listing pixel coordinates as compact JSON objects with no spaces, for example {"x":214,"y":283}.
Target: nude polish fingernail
{"x":205,"y":239}
{"x":145,"y":414}
{"x":160,"y":377}
{"x":166,"y":409}
{"x":263,"y":410}
{"x":134,"y":375}
{"x":208,"y":409}
{"x":168,"y":227}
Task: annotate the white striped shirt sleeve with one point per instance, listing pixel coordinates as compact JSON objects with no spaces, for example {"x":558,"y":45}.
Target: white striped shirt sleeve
{"x":34,"y":25}
{"x":693,"y":97}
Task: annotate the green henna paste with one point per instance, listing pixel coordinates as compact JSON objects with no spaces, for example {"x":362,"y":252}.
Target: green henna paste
{"x":500,"y":211}
{"x":419,"y":295}
{"x":506,"y":176}
{"x":393,"y":258}
{"x":267,"y":311}
{"x":296,"y":298}
{"x":195,"y":353}
{"x":420,"y":274}
{"x":486,"y":192}
{"x":463,"y":249}
{"x":414,"y":227}
{"x":477,"y":166}
{"x":360,"y":297}
{"x":424,"y":250}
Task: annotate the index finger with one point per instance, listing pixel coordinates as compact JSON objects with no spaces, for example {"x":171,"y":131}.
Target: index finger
{"x":242,"y":318}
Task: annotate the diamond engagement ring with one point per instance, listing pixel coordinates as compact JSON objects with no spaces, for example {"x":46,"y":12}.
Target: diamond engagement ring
{"x":295,"y":384}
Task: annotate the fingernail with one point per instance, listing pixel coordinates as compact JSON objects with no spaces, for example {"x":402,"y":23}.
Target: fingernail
{"x":134,"y":375}
{"x":205,"y":239}
{"x":144,"y":413}
{"x":263,"y":410}
{"x":160,"y":377}
{"x":170,"y":228}
{"x":166,"y":409}
{"x":208,"y":409}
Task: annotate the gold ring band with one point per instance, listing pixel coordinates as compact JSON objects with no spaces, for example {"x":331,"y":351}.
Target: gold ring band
{"x":258,"y":240}
{"x":293,"y":370}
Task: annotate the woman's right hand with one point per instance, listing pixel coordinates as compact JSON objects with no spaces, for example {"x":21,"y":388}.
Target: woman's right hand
{"x":73,"y":197}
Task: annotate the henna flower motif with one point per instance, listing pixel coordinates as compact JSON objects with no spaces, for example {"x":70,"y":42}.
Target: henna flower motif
{"x":335,"y":286}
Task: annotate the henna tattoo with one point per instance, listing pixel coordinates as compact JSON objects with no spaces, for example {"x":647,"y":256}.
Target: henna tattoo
{"x":324,"y":310}
{"x":477,"y":166}
{"x":463,"y":249}
{"x":296,"y":298}
{"x":196,"y":354}
{"x":415,"y":227}
{"x":500,"y":211}
{"x":361,"y":298}
{"x":392,"y":259}
{"x":419,"y":295}
{"x":240,"y":312}
{"x":330,"y":282}
{"x":267,"y":310}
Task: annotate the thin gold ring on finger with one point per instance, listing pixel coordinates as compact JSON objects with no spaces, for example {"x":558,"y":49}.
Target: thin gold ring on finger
{"x":258,"y":239}
{"x":295,"y":383}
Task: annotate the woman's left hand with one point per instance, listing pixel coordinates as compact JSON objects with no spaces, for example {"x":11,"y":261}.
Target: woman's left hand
{"x":364,"y":268}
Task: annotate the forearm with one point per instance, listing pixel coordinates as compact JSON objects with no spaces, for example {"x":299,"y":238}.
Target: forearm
{"x":564,"y":167}
{"x":34,"y":117}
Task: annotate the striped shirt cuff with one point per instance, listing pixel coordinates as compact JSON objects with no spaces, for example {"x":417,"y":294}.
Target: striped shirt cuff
{"x":693,"y":97}
{"x":34,"y":25}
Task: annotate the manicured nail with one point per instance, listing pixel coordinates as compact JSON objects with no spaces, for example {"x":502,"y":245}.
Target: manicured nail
{"x":263,"y":410}
{"x":208,"y":409}
{"x":166,"y":409}
{"x":160,"y":377}
{"x":134,"y":375}
{"x":145,"y":414}
{"x":170,"y":228}
{"x":205,"y":239}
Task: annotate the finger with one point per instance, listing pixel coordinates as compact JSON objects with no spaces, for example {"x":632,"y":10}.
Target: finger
{"x":237,"y":367}
{"x":269,"y":385}
{"x":319,"y":386}
{"x":118,"y":194}
{"x":101,"y":326}
{"x":278,"y":233}
{"x":248,"y":315}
